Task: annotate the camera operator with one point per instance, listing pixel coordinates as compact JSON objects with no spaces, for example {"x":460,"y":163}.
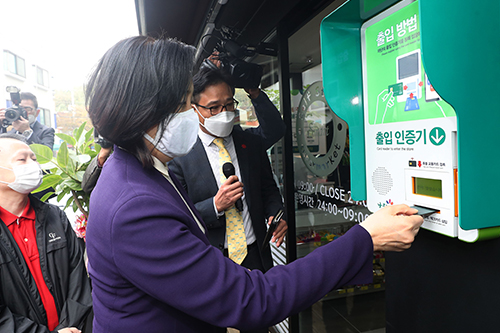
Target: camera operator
{"x":271,"y":125}
{"x":30,"y":128}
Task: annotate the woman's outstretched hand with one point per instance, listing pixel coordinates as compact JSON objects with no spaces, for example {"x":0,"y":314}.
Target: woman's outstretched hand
{"x":393,"y":228}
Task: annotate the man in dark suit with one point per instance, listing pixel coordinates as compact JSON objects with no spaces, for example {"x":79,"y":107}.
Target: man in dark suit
{"x":30,"y":128}
{"x":200,"y":172}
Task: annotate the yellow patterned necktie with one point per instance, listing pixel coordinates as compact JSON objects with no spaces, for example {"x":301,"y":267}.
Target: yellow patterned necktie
{"x":236,"y":239}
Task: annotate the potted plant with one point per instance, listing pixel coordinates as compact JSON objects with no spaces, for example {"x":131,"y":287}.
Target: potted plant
{"x":64,"y":171}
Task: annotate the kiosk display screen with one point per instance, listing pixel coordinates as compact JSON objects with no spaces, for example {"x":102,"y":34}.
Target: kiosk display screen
{"x":427,"y":186}
{"x":408,"y":66}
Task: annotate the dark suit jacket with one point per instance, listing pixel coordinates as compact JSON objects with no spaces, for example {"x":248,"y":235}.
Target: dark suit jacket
{"x":261,"y":193}
{"x":153,"y":269}
{"x":42,"y":134}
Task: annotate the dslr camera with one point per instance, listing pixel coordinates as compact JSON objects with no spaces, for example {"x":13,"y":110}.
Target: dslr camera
{"x":15,"y":112}
{"x":231,"y":54}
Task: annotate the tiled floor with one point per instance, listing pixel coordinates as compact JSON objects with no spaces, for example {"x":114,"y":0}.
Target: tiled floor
{"x":355,"y":314}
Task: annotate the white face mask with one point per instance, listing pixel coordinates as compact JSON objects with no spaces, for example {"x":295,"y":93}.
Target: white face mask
{"x":28,"y":177}
{"x":179,"y":135}
{"x":31,"y":119}
{"x":220,"y":125}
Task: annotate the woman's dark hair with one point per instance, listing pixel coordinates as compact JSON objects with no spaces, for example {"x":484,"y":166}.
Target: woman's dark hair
{"x":207,"y":77}
{"x":138,"y":83}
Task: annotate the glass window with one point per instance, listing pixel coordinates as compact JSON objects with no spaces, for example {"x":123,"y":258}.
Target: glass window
{"x":42,"y":77}
{"x":46,"y":117}
{"x":246,"y":112}
{"x":41,"y":116}
{"x":14,"y":64}
{"x":20,"y":67}
{"x":9,"y":63}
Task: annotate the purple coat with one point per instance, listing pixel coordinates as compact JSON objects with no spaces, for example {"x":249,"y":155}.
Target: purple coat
{"x":153,"y":269}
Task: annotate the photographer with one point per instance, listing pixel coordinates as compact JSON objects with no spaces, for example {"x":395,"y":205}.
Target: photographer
{"x":30,"y":128}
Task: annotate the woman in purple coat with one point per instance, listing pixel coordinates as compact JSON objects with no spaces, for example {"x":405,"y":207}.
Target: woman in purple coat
{"x":152,"y":267}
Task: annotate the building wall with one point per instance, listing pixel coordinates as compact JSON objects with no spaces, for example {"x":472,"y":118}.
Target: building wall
{"x":29,"y":83}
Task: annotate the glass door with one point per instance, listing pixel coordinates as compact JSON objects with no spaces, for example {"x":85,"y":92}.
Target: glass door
{"x":324,"y":208}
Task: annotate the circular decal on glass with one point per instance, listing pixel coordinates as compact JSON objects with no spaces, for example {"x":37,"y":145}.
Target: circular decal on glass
{"x":321,"y":134}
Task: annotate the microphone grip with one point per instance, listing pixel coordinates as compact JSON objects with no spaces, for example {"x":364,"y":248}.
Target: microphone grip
{"x":239,"y":205}
{"x":228,"y":170}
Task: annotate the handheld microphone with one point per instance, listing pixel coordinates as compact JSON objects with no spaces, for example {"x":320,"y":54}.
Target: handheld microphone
{"x":228,"y":170}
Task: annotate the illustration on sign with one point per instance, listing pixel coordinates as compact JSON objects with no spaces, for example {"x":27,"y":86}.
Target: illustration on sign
{"x":397,"y":87}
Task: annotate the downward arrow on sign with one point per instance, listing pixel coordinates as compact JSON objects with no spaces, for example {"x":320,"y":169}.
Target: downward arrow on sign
{"x":437,"y":139}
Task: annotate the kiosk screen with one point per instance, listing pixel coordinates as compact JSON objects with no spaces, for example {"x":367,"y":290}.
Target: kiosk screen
{"x":408,"y":66}
{"x":429,"y":187}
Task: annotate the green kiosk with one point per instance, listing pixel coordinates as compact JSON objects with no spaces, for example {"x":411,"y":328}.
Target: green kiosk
{"x":409,"y":78}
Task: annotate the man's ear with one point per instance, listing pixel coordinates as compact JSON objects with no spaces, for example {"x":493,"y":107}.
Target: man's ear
{"x":37,"y":112}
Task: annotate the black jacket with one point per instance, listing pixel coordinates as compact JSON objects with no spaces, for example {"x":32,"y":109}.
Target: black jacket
{"x":62,"y":264}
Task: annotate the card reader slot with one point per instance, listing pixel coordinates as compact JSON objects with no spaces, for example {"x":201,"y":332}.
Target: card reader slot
{"x":425,"y":211}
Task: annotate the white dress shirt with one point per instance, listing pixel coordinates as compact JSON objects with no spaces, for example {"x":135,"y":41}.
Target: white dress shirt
{"x":213,"y":157}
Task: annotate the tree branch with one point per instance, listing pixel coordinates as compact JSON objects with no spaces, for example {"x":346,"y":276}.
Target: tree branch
{"x":79,"y":204}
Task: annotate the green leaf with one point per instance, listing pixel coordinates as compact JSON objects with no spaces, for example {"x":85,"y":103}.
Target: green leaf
{"x":63,"y":175}
{"x":46,"y":196}
{"x":78,"y":134}
{"x":69,"y":202}
{"x":78,"y":131}
{"x":49,"y":180}
{"x":90,"y":152}
{"x":62,"y":155}
{"x":82,"y":159}
{"x":72,"y":184}
{"x":62,"y":194}
{"x":79,"y":175}
{"x":68,"y":166}
{"x":48,"y":166}
{"x":43,"y":153}
{"x":71,"y":168}
{"x":67,"y":138}
{"x":75,"y":206}
{"x":89,"y":137}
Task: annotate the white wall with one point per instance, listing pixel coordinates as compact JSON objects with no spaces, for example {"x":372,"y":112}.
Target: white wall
{"x":29,"y":83}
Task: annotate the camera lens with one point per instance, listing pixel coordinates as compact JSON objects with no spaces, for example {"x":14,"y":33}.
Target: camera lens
{"x":11,"y":115}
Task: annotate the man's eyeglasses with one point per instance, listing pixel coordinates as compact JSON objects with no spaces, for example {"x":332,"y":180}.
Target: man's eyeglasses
{"x":28,"y":108}
{"x":231,"y":106}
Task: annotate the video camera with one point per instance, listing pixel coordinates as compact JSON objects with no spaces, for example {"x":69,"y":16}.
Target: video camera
{"x":14,"y":113}
{"x":231,"y":54}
